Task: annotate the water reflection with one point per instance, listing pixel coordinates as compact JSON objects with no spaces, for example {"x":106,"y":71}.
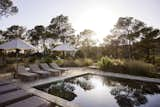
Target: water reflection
{"x":62,"y":89}
{"x":130,"y":93}
{"x":128,"y":97}
{"x":83,"y":82}
{"x":98,"y":91}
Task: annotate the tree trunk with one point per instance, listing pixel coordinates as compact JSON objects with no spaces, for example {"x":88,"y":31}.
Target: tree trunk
{"x":148,"y":55}
{"x":117,"y":55}
{"x":129,"y":50}
{"x":44,"y":52}
{"x":153,"y":53}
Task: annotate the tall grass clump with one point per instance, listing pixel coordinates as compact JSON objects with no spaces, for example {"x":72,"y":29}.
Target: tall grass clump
{"x":59,"y":61}
{"x":139,"y":68}
{"x":131,"y":67}
{"x":81,"y":62}
{"x":88,"y":62}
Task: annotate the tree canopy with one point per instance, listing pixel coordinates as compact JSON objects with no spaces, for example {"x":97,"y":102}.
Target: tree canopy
{"x":7,"y":8}
{"x":61,"y":28}
{"x":130,"y":38}
{"x":14,"y":31}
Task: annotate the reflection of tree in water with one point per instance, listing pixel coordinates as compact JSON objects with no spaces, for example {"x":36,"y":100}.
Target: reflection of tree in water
{"x":83,"y":82}
{"x":127,"y":97}
{"x":63,"y":90}
{"x":130,"y":93}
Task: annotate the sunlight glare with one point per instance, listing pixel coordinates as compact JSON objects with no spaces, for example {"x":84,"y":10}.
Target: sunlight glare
{"x":100,"y":20}
{"x":97,"y":82}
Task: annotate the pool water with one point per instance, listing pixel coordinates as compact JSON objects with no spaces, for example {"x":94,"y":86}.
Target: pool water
{"x":101,"y":91}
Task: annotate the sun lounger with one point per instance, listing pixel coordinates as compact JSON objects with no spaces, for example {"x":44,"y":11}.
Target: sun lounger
{"x":7,"y":88}
{"x":45,"y":67}
{"x":55,"y":66}
{"x":25,"y":75}
{"x":14,"y":96}
{"x":5,"y":82}
{"x":33,"y":101}
{"x":35,"y":68}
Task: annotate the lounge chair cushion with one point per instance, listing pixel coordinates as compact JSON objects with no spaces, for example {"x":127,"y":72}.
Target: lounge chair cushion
{"x":47,"y":68}
{"x":28,"y":74}
{"x":35,"y":68}
{"x":22,"y":72}
{"x":54,"y":65}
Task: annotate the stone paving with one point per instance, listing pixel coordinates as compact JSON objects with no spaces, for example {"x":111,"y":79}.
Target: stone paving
{"x":28,"y":86}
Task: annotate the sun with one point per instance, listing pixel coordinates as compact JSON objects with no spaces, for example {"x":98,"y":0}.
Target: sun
{"x":100,"y":20}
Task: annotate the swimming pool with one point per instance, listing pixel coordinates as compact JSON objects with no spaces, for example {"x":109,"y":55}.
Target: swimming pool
{"x":101,"y":91}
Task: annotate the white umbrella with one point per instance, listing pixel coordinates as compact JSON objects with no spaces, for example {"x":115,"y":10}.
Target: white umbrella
{"x":16,"y":44}
{"x":64,"y":47}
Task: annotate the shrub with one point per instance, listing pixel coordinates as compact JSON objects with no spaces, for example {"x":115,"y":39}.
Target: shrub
{"x":157,"y":60}
{"x":105,"y":63}
{"x":65,"y":62}
{"x":75,"y":63}
{"x":79,"y":54}
{"x":117,"y":62}
{"x":46,"y":60}
{"x":59,"y":61}
{"x":32,"y":59}
{"x":78,"y":62}
{"x":83,"y":62}
{"x":11,"y":60}
{"x":8,"y":68}
{"x":88,"y":62}
{"x":131,"y":67}
{"x":69,"y":63}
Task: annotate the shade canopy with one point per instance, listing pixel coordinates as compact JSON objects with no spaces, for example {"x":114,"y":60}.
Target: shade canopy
{"x":16,"y":44}
{"x":64,"y":47}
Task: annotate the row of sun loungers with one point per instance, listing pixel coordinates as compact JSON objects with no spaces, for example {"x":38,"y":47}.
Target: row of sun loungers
{"x":4,"y":82}
{"x":24,"y":74}
{"x":47,"y":68}
{"x":54,"y":65}
{"x":35,"y":69}
{"x":39,"y":70}
{"x":14,"y":96}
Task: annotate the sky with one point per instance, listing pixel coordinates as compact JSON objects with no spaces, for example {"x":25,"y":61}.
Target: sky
{"x":97,"y":15}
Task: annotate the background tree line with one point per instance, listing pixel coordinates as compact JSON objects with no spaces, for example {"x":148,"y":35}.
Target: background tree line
{"x":130,"y":38}
{"x":133,"y":39}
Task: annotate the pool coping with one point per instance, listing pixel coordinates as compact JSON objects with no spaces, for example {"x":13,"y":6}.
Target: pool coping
{"x":65,"y":103}
{"x":130,"y":77}
{"x":51,"y":98}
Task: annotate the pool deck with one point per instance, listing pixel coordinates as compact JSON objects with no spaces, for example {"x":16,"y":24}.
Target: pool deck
{"x":28,"y":86}
{"x":131,"y":77}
